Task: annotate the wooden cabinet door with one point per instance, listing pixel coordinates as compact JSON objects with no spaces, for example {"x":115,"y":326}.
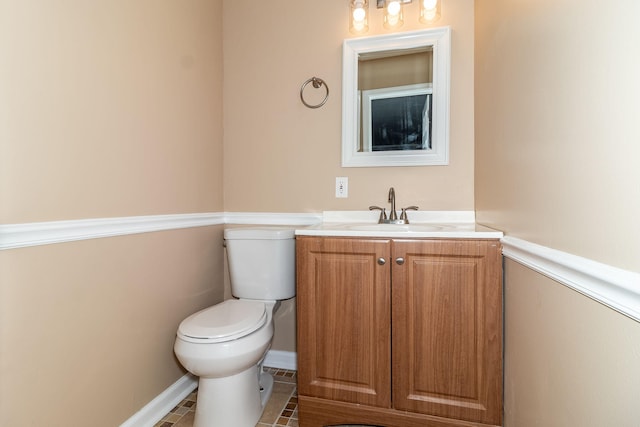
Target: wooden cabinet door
{"x":447,"y":329}
{"x":344,"y":333}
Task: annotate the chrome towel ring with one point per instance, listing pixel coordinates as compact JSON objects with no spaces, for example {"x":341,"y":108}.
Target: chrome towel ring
{"x":317,"y":83}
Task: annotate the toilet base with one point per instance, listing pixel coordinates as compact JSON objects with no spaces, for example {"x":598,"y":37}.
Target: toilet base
{"x":266,"y":387}
{"x":235,"y":401}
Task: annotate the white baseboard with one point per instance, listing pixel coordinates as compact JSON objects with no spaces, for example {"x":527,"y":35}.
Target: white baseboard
{"x":281,"y":359}
{"x":153,"y":411}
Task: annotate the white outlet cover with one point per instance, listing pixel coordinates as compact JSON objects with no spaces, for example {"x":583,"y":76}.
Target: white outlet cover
{"x":342,"y":187}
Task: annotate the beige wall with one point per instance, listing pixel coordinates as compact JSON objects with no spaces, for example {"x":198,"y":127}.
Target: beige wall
{"x":283,"y":157}
{"x":557,"y":152}
{"x":109,"y":108}
{"x":558,"y":164}
{"x":569,"y":360}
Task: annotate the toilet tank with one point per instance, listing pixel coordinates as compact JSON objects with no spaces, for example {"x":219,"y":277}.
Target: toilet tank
{"x":262,"y":262}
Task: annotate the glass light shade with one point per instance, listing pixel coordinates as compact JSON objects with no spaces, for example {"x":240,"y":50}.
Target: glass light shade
{"x":359,"y":17}
{"x":429,"y":10}
{"x":393,"y":14}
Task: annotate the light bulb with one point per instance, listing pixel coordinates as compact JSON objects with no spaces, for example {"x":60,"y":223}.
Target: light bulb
{"x":429,"y":14}
{"x":358,"y":20}
{"x":393,"y":9}
{"x":429,"y":11}
{"x":429,"y":4}
{"x":393,"y":14}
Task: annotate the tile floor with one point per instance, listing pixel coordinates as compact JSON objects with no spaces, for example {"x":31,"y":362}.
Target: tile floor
{"x":281,"y":410}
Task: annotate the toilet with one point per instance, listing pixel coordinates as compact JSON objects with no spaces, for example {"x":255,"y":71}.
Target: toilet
{"x":225,"y":344}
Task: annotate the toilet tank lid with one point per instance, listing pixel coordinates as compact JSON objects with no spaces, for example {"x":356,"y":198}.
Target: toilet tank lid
{"x":259,"y":233}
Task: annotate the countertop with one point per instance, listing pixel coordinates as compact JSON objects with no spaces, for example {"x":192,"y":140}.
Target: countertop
{"x":422,"y":224}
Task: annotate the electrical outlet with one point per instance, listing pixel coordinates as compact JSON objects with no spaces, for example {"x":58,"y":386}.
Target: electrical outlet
{"x":342,"y":187}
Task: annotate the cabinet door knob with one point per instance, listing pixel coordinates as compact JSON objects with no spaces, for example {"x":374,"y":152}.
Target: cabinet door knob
{"x":400,"y":261}
{"x":381,"y":261}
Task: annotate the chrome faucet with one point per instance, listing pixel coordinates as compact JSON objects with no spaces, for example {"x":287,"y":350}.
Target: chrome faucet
{"x":393,"y":216}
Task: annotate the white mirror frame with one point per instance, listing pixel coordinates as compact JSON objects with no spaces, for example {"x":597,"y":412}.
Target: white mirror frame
{"x":440,"y":39}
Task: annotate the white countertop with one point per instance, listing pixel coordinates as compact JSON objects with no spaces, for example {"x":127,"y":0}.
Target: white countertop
{"x":422,"y":224}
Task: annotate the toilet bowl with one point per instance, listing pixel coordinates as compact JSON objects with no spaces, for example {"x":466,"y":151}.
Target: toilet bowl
{"x":232,"y":389}
{"x":224,"y":345}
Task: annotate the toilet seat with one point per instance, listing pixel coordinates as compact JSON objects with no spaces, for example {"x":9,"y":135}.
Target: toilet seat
{"x":229,"y":320}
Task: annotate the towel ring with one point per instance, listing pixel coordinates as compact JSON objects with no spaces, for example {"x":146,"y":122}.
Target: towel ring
{"x":317,"y":83}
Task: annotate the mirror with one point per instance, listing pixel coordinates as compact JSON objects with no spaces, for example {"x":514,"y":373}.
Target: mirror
{"x":395,"y":99}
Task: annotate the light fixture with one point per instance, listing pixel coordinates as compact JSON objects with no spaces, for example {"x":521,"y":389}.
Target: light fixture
{"x":359,"y":18}
{"x":393,"y":14}
{"x":429,"y":11}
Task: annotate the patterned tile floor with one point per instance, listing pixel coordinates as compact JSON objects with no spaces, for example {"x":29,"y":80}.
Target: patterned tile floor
{"x":281,"y":410}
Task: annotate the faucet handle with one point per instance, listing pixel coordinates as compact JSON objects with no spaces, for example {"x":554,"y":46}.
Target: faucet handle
{"x":403,"y":215}
{"x":383,"y":214}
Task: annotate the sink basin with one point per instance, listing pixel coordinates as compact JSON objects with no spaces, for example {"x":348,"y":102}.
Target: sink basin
{"x":396,"y":227}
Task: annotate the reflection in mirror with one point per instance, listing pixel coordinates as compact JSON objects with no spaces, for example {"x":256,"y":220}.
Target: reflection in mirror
{"x":396,"y":88}
{"x":396,"y":99}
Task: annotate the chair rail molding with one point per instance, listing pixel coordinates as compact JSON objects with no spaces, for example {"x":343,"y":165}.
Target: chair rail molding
{"x":614,"y":287}
{"x":13,"y":236}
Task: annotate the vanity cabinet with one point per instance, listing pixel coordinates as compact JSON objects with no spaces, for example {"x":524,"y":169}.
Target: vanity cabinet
{"x":399,"y":332}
